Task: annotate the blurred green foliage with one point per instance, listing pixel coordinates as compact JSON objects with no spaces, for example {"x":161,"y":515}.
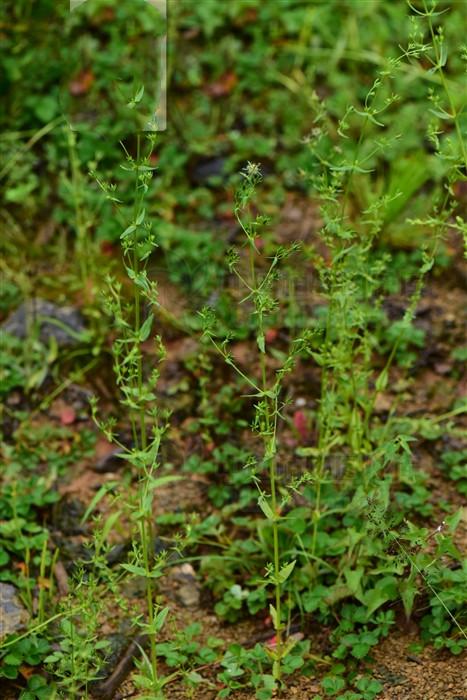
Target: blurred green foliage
{"x":247,"y":81}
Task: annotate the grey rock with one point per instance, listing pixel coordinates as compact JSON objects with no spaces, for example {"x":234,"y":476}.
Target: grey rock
{"x":188,"y":589}
{"x":13,"y":616}
{"x":67,"y":514}
{"x":206,"y":168}
{"x":135,"y":587}
{"x":63,"y":323}
{"x":188,"y":595}
{"x":112,"y":462}
{"x":117,"y":553}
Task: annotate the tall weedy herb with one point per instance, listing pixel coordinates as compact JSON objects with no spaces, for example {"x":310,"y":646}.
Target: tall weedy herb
{"x":351,"y":277}
{"x":353,"y":446}
{"x":349,"y":282}
{"x":448,"y":104}
{"x":133,"y":323}
{"x":266,"y":387}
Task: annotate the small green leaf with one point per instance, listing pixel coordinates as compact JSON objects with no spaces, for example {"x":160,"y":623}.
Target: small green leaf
{"x":163,"y":480}
{"x":273,"y":613}
{"x":195,"y":678}
{"x":145,"y":329}
{"x":104,"y":489}
{"x":109,"y":523}
{"x":133,"y":569}
{"x":139,"y":95}
{"x":332,"y":684}
{"x":353,"y":579}
{"x":140,"y":218}
{"x":452,"y":521}
{"x":131,"y":228}
{"x":12,"y":659}
{"x":160,"y":619}
{"x":266,"y":508}
{"x":360,"y":650}
{"x":285,"y":572}
{"x":440,"y":113}
{"x":382,"y":381}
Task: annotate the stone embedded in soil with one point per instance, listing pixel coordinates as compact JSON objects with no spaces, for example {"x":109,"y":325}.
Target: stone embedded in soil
{"x":111,"y":462}
{"x":206,"y":168}
{"x":117,"y":553}
{"x":188,"y":595}
{"x":117,"y":643}
{"x":63,"y":323}
{"x":67,"y":515}
{"x":187,"y":587}
{"x":135,"y":587}
{"x":74,"y":553}
{"x":13,"y":616}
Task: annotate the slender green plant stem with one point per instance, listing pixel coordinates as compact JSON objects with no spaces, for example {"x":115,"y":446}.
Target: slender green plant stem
{"x":277,"y":671}
{"x":139,"y":430}
{"x":270,"y":449}
{"x":439,"y":67}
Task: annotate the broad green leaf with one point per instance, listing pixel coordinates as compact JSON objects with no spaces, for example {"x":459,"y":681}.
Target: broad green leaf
{"x":12,"y":659}
{"x":360,"y":650}
{"x":332,"y":684}
{"x":408,"y":590}
{"x":353,"y":579}
{"x":384,"y":591}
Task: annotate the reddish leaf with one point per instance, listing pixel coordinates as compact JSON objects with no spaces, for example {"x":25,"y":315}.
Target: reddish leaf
{"x":26,"y":671}
{"x":248,"y":17}
{"x":67,"y":415}
{"x":223,"y":86}
{"x":107,"y":14}
{"x":103,"y":448}
{"x":107,"y":248}
{"x":82,"y":83}
{"x":271,"y":335}
{"x":301,"y":424}
{"x":460,"y":190}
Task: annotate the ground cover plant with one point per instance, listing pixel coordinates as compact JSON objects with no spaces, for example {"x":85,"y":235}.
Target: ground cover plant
{"x":233,"y":353}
